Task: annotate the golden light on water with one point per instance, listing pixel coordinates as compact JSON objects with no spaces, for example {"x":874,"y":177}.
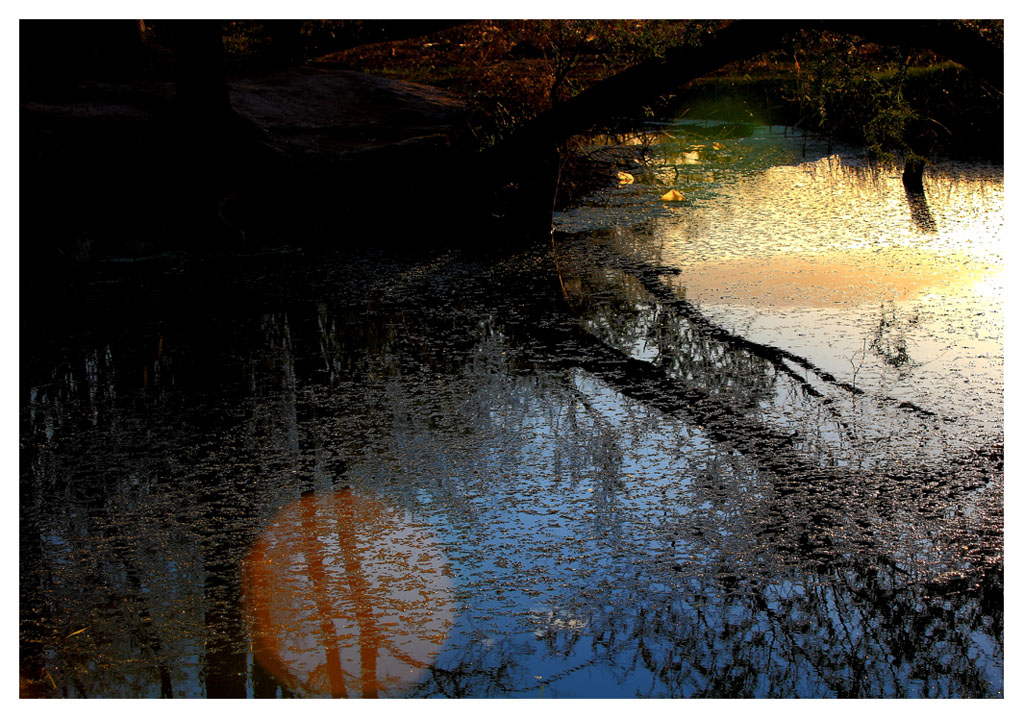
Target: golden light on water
{"x":846,"y":279}
{"x":346,"y":596}
{"x":829,"y":258}
{"x":826,"y":234}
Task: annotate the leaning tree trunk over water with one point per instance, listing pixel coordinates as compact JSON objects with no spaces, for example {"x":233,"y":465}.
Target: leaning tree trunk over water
{"x":523,"y":162}
{"x":629,"y":92}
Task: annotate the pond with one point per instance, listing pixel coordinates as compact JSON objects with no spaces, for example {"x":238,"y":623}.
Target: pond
{"x":746,"y":443}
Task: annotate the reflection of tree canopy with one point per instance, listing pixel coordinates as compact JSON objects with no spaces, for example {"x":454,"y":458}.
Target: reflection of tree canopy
{"x":629,"y":519}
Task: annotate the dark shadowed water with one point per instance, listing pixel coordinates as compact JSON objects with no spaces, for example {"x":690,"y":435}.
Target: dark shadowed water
{"x":745,"y":444}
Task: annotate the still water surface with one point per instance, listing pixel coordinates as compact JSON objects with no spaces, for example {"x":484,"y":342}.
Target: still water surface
{"x":744,"y":444}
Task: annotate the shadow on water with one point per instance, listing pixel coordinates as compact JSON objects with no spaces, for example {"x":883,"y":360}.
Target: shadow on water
{"x":919,"y":211}
{"x":550,"y":473}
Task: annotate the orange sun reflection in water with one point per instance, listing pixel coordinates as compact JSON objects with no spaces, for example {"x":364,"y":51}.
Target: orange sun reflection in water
{"x":346,"y":596}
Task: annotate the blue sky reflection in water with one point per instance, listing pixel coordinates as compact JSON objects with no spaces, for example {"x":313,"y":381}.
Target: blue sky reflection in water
{"x":719,"y":447}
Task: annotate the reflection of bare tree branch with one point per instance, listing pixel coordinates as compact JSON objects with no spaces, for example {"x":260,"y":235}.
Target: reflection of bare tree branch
{"x":650,"y":277}
{"x":315,"y":565}
{"x":370,"y":636}
{"x":572,"y":346}
{"x":799,"y":480}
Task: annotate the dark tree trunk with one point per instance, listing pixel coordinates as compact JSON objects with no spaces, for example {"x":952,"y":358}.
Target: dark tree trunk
{"x":913,"y":175}
{"x":216,"y":149}
{"x":629,"y":92}
{"x":921,"y":139}
{"x":200,"y":83}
